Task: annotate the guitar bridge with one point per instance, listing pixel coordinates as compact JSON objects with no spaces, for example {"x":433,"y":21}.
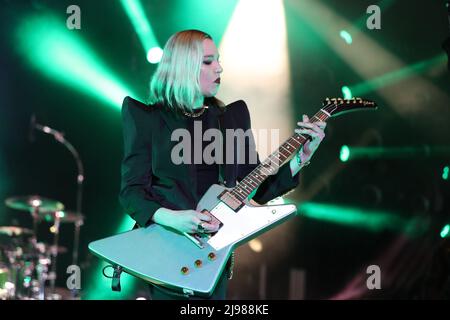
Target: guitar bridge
{"x":198,"y":239}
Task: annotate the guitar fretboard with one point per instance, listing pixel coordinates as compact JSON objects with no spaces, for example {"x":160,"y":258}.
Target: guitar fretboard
{"x":273,"y":162}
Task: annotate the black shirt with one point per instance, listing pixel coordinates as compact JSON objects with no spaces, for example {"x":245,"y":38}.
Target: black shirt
{"x":207,"y":174}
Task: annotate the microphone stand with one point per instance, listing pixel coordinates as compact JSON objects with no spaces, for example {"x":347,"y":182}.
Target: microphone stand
{"x":59,"y":136}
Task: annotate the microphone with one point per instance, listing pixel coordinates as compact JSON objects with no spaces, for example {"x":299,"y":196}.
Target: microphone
{"x":31,"y":136}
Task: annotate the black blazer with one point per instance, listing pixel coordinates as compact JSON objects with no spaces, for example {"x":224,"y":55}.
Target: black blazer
{"x":149,"y":178}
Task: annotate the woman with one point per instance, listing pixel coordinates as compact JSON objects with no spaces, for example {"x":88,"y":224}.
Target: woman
{"x":159,"y":188}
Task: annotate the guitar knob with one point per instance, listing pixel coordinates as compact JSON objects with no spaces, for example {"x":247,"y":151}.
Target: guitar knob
{"x":212,"y":256}
{"x":198,"y":263}
{"x":185,"y":270}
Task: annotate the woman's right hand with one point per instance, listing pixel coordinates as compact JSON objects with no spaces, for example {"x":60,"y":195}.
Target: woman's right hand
{"x":189,"y":221}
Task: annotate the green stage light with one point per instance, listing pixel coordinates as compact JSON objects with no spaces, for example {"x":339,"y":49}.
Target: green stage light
{"x":136,"y":14}
{"x":346,"y":36}
{"x":346,"y":92}
{"x":60,"y":54}
{"x":344,"y":154}
{"x":212,"y":16}
{"x":445,"y":173}
{"x":402,"y":152}
{"x":387,"y":79}
{"x":154,"y":55}
{"x":371,"y":220}
{"x":445,"y":231}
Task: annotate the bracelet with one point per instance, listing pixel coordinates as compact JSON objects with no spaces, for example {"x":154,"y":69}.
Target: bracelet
{"x":299,"y":161}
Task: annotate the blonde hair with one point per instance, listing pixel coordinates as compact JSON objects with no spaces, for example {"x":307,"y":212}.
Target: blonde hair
{"x":176,"y":83}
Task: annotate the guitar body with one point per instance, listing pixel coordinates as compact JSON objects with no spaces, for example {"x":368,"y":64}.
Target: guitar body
{"x":191,"y":264}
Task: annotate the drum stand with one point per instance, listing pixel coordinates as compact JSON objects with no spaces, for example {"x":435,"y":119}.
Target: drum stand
{"x":54,"y":256}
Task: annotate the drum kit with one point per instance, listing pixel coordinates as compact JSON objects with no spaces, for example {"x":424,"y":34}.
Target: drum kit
{"x":28,"y":267}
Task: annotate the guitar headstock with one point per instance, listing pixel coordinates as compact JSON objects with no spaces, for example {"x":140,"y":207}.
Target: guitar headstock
{"x":338,"y":106}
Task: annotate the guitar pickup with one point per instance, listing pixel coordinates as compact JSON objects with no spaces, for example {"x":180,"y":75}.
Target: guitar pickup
{"x":230,"y":201}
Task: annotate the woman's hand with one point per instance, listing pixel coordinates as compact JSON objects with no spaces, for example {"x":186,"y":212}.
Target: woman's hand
{"x":315,"y":131}
{"x":189,"y":221}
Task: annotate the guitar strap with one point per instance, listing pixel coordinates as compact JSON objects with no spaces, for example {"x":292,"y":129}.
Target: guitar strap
{"x":115,"y":282}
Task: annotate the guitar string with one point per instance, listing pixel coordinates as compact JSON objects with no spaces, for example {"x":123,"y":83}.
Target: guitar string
{"x":237,"y":190}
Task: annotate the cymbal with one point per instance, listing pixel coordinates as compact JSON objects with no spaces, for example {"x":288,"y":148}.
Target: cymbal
{"x":59,"y":293}
{"x":15,"y":231}
{"x":30,"y":203}
{"x":42,"y":248}
{"x":64,"y":216}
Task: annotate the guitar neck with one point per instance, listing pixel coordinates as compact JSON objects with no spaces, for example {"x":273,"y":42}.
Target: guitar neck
{"x":273,"y":162}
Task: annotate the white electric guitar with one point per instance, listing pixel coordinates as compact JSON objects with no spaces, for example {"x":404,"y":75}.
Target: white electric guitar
{"x":192,"y":264}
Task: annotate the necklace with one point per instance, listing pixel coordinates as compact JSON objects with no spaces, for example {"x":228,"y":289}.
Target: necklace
{"x":195,"y":114}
